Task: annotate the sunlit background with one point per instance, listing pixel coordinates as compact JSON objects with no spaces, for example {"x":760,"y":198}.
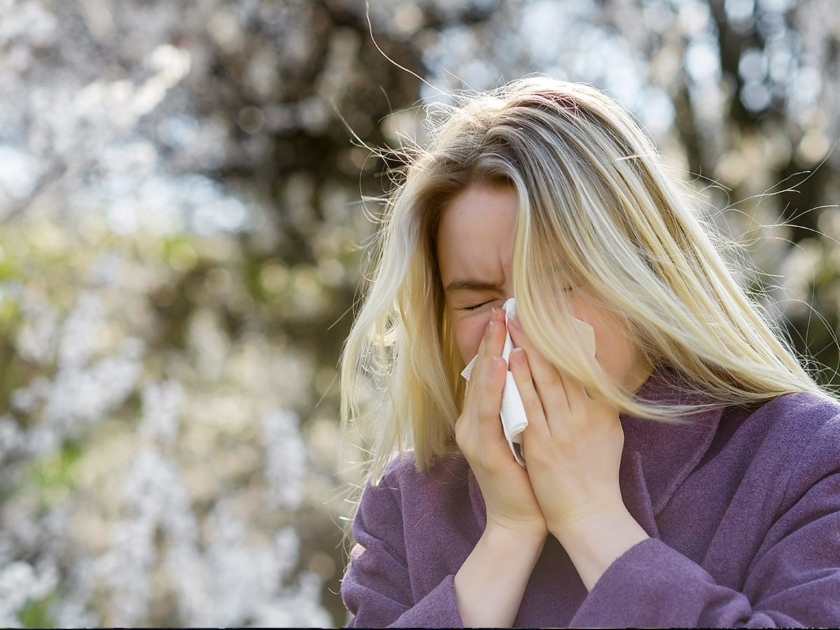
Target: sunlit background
{"x":181,"y":213}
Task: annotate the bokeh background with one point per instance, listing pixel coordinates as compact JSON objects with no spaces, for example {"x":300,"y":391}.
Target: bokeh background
{"x":181,"y":222}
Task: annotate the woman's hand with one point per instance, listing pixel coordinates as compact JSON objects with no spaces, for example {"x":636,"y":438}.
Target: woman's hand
{"x":510,"y":501}
{"x":572,"y":447}
{"x":490,"y":584}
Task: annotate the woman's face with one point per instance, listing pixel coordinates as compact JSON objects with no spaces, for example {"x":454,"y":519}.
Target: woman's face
{"x":475,"y":250}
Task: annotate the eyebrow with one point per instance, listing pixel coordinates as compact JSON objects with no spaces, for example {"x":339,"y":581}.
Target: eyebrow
{"x":468,"y":284}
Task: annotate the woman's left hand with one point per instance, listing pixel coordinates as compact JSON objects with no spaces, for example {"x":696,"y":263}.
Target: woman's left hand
{"x":572,"y":447}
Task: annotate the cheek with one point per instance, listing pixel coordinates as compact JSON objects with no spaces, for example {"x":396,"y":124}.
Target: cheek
{"x":469,"y":332}
{"x":614,"y":351}
{"x":618,"y":360}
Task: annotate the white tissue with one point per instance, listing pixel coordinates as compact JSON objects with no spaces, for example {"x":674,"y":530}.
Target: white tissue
{"x":514,"y":420}
{"x":513,"y":415}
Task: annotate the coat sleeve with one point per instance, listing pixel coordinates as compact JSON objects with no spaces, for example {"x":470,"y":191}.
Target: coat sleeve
{"x":793,"y":580}
{"x":377,"y":588}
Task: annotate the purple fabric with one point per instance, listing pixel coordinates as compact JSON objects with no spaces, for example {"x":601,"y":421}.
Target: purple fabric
{"x":743,"y":507}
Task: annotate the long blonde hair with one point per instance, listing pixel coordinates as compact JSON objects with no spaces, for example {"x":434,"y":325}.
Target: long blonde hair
{"x":596,"y":208}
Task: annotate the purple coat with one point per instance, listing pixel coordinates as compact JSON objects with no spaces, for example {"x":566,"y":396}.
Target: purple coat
{"x":742,"y":506}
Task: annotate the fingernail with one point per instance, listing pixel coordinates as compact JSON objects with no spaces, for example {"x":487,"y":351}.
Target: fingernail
{"x":518,"y":355}
{"x":516,"y":323}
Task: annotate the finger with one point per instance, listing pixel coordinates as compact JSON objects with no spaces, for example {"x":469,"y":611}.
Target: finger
{"x":576,"y":392}
{"x":492,"y":376}
{"x":490,"y":403}
{"x":485,"y":389}
{"x":478,"y":431}
{"x":520,"y":368}
{"x":550,"y":385}
{"x":491,"y":345}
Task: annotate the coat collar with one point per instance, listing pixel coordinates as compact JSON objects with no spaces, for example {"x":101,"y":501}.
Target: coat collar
{"x":659,"y":456}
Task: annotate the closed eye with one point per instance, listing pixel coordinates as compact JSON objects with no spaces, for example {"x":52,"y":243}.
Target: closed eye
{"x":475,"y":307}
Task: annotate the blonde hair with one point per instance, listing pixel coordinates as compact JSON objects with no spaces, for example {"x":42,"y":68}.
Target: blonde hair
{"x":598,"y":210}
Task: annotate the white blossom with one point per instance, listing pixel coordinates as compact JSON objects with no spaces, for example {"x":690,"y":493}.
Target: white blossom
{"x":285,"y":454}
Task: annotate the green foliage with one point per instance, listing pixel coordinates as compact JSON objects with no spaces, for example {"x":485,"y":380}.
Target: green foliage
{"x":54,"y":475}
{"x":36,"y":613}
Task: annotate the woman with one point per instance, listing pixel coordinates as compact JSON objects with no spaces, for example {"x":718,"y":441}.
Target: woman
{"x":681,"y":466}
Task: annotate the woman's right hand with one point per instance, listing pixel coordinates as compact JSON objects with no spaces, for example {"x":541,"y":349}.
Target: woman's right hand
{"x":508,"y":496}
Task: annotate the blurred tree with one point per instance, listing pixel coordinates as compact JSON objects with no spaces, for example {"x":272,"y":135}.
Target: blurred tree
{"x":180,"y":195}
{"x":181,"y":192}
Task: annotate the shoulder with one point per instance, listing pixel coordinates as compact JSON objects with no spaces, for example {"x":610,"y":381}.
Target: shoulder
{"x":798,"y":417}
{"x":403,"y":480}
{"x":405,"y":496}
{"x":401,"y":468}
{"x":801,"y":432}
{"x":794,"y":434}
{"x":804,"y":403}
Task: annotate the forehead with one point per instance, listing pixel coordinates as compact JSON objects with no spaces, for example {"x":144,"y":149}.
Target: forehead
{"x":475,"y":234}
